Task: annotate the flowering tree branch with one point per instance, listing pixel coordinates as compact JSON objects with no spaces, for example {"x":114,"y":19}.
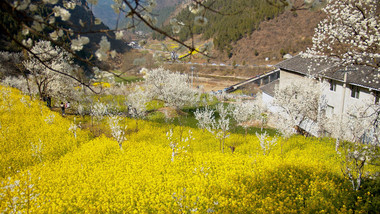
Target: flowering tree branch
{"x":51,"y":20}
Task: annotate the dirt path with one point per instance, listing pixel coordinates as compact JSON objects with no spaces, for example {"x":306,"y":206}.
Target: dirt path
{"x":213,"y":84}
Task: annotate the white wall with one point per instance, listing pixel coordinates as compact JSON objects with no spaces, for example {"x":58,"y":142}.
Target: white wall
{"x":287,"y":78}
{"x":341,"y":99}
{"x":268,"y":101}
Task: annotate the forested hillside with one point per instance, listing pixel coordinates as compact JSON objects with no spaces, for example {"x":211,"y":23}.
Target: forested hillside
{"x":288,"y":33}
{"x":232,"y":21}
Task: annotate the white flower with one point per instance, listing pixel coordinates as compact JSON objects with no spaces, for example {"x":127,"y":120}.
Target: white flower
{"x":195,"y":8}
{"x":200,"y":20}
{"x":98,"y":21}
{"x":152,"y":3}
{"x":115,"y":8}
{"x":150,"y":6}
{"x":176,"y":25}
{"x":22,"y":5}
{"x":63,"y":13}
{"x":101,"y":55}
{"x":25,"y":31}
{"x":173,"y":21}
{"x":113,"y":54}
{"x":32,"y":7}
{"x":77,"y":44}
{"x":51,"y":20}
{"x":69,"y":4}
{"x":119,"y":34}
{"x":105,"y":45}
{"x":60,"y":33}
{"x":176,"y":28}
{"x":54,"y":35}
{"x":28,"y":42}
{"x":85,"y":40}
{"x":144,"y":71}
{"x":150,"y":19}
{"x":37,"y":26}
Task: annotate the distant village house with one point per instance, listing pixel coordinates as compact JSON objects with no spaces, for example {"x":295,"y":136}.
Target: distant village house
{"x":347,"y":86}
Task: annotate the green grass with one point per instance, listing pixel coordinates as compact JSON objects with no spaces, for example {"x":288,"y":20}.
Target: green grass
{"x":154,"y":105}
{"x":128,"y":79}
{"x":188,"y":119}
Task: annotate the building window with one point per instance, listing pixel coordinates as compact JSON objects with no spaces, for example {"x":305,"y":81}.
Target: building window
{"x":355,"y":91}
{"x":332,"y":85}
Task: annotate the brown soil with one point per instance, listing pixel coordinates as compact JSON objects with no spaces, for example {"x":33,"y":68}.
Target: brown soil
{"x":214,"y":78}
{"x":290,"y":31}
{"x":171,"y":112}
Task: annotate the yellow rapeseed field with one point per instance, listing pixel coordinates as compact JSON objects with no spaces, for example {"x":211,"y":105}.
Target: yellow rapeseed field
{"x":45,"y":169}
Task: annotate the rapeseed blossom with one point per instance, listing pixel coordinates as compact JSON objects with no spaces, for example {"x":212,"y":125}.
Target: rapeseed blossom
{"x":50,"y":173}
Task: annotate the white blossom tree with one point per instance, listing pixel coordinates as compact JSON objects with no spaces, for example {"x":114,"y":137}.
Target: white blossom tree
{"x":205,"y":118}
{"x":171,"y":87}
{"x":300,"y":105}
{"x":266,"y":143}
{"x":243,"y":112}
{"x":358,"y":121}
{"x":261,"y":110}
{"x":177,"y":144}
{"x":20,"y":83}
{"x":137,"y":101}
{"x":220,"y":127}
{"x":98,"y":110}
{"x":42,"y":73}
{"x":357,"y":140}
{"x":61,"y":25}
{"x":350,"y":32}
{"x":117,"y":130}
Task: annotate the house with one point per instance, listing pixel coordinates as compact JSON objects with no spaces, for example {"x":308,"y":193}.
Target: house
{"x":346,"y":86}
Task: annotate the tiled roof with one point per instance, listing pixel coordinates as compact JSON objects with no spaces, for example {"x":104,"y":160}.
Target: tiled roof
{"x":364,"y":76}
{"x":270,"y":87}
{"x":361,"y":75}
{"x":306,"y":66}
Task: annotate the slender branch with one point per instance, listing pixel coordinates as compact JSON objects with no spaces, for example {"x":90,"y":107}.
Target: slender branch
{"x":159,"y":30}
{"x":42,"y":62}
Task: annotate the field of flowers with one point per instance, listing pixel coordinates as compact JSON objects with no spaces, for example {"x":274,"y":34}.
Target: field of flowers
{"x":50,"y":166}
{"x":31,"y":134}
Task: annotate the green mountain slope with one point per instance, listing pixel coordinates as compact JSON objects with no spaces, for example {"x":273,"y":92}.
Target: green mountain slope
{"x":233,"y":21}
